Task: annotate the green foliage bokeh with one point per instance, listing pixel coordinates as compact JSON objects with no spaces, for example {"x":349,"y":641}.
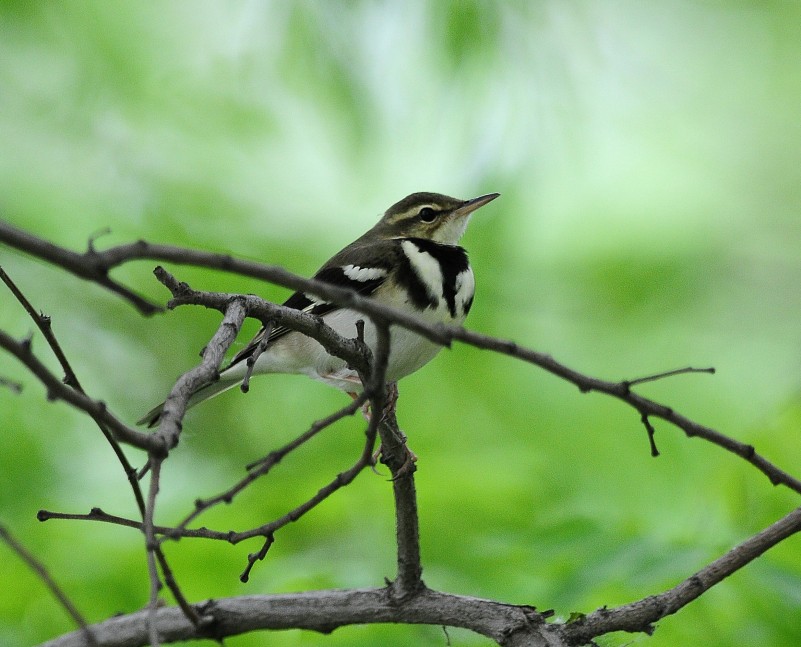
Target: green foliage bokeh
{"x":649,"y":157}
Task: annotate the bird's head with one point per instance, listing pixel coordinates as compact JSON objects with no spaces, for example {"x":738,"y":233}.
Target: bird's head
{"x":432,"y":216}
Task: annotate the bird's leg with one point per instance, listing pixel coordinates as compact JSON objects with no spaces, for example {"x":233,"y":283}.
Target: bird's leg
{"x":365,"y":406}
{"x":392,"y":398}
{"x":389,"y":410}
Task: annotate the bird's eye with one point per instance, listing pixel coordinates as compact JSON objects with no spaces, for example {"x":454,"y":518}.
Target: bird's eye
{"x":427,"y":214}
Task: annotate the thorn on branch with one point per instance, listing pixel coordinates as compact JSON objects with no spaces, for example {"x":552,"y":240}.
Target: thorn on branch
{"x":651,"y":432}
{"x":90,"y":245}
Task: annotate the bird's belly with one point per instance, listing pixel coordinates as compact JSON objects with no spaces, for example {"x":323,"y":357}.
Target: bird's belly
{"x":408,"y":350}
{"x":296,"y":353}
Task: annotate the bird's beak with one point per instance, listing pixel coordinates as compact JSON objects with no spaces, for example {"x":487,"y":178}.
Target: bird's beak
{"x":469,"y":206}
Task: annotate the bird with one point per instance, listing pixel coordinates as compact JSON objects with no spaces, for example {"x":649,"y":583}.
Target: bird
{"x":411,"y":260}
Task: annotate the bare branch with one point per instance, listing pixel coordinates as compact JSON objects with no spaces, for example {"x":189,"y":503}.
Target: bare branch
{"x":94,"y":264}
{"x":324,"y":611}
{"x":170,"y":422}
{"x":11,"y":385}
{"x":150,"y":546}
{"x":57,"y":390}
{"x":90,"y":265}
{"x":96,"y":514}
{"x":26,"y":556}
{"x":71,"y":379}
{"x":639,"y":616}
{"x":621,"y":391}
{"x":351,"y":350}
{"x":264,"y":465}
{"x":408,"y":591}
{"x":408,"y":581}
{"x":676,"y":371}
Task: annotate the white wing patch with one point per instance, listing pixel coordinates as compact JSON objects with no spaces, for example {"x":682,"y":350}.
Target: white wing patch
{"x":465,"y":286}
{"x":361,"y":274}
{"x":426,"y":267}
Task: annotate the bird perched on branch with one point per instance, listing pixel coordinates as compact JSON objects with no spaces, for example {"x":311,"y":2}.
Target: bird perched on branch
{"x":410,"y":260}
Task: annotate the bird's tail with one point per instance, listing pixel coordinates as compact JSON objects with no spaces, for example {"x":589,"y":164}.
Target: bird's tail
{"x":152,"y":417}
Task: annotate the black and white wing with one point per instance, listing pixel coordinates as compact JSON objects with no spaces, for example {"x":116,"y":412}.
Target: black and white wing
{"x":364,"y":279}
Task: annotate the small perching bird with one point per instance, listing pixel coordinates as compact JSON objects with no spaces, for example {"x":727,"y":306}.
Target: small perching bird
{"x":410,"y":260}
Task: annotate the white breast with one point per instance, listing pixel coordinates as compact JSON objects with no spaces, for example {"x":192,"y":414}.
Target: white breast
{"x":426,"y":267}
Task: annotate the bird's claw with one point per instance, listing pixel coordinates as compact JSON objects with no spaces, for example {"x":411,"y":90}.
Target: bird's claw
{"x":407,"y":467}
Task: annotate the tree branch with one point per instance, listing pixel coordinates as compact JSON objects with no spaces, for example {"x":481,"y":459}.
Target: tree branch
{"x":94,"y":265}
{"x":44,"y":324}
{"x":324,"y":611}
{"x":407,"y":532}
{"x":87,"y":636}
{"x":171,"y":421}
{"x":408,"y":591}
{"x":91,"y":265}
{"x":57,"y":390}
{"x":263,"y":466}
{"x":621,"y":391}
{"x":639,"y":616}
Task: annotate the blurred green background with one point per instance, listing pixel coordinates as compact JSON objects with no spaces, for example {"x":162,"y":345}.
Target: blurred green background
{"x":649,"y":157}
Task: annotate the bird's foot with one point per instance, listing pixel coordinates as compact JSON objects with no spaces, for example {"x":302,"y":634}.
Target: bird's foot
{"x":409,"y":459}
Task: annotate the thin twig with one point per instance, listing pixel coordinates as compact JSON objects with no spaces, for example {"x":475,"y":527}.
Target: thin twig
{"x":341,"y":480}
{"x":264,"y":465}
{"x":44,"y":324}
{"x":251,"y":361}
{"x":259,"y":556}
{"x":151,"y":546}
{"x":96,"y":514}
{"x":649,"y":428}
{"x":172,"y":585}
{"x":11,"y":385}
{"x":640,"y":615}
{"x":677,"y":371}
{"x":43,"y":574}
{"x":57,"y":390}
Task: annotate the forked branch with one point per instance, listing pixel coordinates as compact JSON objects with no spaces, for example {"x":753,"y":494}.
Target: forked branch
{"x":406,"y":599}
